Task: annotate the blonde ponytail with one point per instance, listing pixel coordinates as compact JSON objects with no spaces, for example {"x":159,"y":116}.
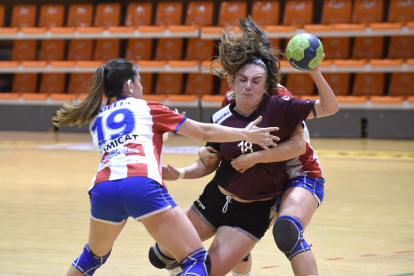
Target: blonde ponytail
{"x":81,"y":113}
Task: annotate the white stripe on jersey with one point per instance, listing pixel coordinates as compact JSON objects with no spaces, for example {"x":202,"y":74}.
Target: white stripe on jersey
{"x":221,"y":115}
{"x":131,"y":130}
{"x":294,"y":167}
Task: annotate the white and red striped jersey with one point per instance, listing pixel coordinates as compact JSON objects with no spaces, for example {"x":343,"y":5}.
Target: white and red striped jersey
{"x":127,"y":133}
{"x":305,"y":164}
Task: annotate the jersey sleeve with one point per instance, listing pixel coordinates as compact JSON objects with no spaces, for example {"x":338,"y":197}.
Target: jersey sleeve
{"x":165,"y":119}
{"x":228,"y":98}
{"x":282,"y":91}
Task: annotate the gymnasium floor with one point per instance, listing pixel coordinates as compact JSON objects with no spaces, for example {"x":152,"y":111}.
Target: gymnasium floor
{"x":365,"y":225}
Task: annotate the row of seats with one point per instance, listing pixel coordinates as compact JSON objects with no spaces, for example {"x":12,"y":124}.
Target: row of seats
{"x":364,"y":84}
{"x":197,"y":49}
{"x":107,"y":49}
{"x":296,"y":12}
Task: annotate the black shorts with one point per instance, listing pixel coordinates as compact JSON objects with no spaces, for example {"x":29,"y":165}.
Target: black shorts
{"x":217,"y":209}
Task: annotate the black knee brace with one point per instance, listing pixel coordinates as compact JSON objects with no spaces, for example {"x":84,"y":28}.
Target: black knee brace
{"x":159,"y":260}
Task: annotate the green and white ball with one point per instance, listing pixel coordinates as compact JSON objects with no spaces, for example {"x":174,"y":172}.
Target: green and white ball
{"x":304,"y":51}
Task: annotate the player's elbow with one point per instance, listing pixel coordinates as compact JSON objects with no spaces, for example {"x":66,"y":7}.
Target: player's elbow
{"x":335,"y":108}
{"x":331,"y":109}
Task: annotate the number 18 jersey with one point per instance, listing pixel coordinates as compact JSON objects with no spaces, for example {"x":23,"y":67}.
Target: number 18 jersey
{"x":127,"y":133}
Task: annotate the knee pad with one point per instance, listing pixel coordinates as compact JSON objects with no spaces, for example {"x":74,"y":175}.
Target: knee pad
{"x":197,"y":263}
{"x":88,"y":263}
{"x":288,"y":235}
{"x":159,"y":260}
{"x":245,"y":259}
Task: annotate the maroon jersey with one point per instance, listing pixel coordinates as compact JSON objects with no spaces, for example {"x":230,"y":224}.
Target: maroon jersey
{"x":262,"y":180}
{"x":306,"y":164}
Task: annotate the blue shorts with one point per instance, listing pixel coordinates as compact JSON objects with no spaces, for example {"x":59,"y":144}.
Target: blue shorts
{"x":137,"y":196}
{"x":313,"y":185}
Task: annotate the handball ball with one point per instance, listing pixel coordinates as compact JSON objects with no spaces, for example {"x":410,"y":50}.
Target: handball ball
{"x":304,"y":51}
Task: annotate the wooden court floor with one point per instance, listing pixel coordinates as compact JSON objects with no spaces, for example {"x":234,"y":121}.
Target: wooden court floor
{"x":365,"y":225}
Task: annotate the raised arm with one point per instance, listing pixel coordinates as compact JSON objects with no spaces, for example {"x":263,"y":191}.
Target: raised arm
{"x":218,"y":133}
{"x":286,"y":150}
{"x":327,"y":104}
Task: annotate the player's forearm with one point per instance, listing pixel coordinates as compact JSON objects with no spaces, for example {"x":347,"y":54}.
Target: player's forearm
{"x":295,"y":146}
{"x":198,"y":169}
{"x":327,"y":103}
{"x":211,"y":132}
{"x":284,"y":151}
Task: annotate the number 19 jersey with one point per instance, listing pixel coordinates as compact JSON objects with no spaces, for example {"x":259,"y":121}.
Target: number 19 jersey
{"x":127,"y":133}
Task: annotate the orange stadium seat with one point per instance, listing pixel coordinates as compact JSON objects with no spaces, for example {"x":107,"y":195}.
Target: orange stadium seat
{"x":80,"y":49}
{"x":224,"y":86}
{"x":299,"y":84}
{"x":169,"y":49}
{"x":51,"y":16}
{"x":24,"y":83}
{"x":24,"y":50}
{"x":79,"y":83}
{"x":139,"y":14}
{"x":298,"y":12}
{"x":265,"y":12}
{"x":139,"y":49}
{"x":169,"y":13}
{"x":23,"y":16}
{"x":169,"y":83}
{"x":2,"y":17}
{"x":368,"y":84}
{"x":52,"y":83}
{"x":336,"y":47}
{"x":230,"y":12}
{"x":401,"y":47}
{"x":368,"y":47}
{"x":107,"y":15}
{"x":199,"y":84}
{"x":401,"y":11}
{"x":368,"y":11}
{"x":339,"y":82}
{"x":80,"y":15}
{"x":52,"y":49}
{"x":106,"y":49}
{"x":336,"y":11}
{"x":401,"y":84}
{"x":146,"y":82}
{"x":200,"y":13}
{"x":199,"y":49}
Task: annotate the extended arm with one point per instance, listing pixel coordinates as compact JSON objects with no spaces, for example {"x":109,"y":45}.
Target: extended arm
{"x":327,"y":104}
{"x":218,"y":133}
{"x":286,"y":150}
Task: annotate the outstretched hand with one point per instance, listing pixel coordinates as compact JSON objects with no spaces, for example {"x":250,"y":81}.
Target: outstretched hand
{"x":261,"y":136}
{"x":169,"y":173}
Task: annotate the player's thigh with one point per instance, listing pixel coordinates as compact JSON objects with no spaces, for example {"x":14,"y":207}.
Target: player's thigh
{"x":300,"y":203}
{"x":102,"y":236}
{"x":174,"y":232}
{"x":204,"y":231}
{"x":229,"y":247}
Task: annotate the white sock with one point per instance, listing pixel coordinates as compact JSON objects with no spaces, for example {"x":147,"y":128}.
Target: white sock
{"x":234,"y":273}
